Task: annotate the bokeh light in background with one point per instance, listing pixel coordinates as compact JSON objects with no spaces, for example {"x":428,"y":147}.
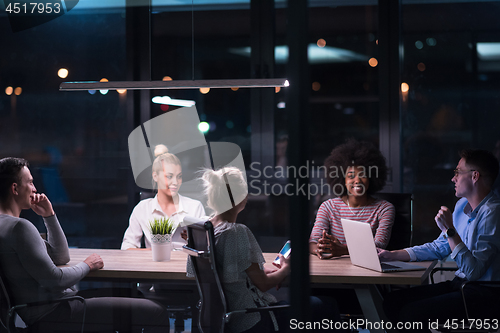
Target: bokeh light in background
{"x":421,"y":66}
{"x":166,"y":78}
{"x":204,"y":90}
{"x":9,"y":90}
{"x":18,"y":91}
{"x":373,"y":62}
{"x":62,"y":73}
{"x":321,"y":42}
{"x":203,"y":127}
{"x":212,"y":126}
{"x":316,"y":86}
{"x":121,"y":91}
{"x":405,"y":87}
{"x":104,"y":92}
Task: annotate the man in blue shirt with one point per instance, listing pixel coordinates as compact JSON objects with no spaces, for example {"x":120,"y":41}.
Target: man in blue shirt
{"x":471,"y":235}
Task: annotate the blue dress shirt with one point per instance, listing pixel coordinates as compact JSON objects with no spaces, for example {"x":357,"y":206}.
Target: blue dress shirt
{"x":478,"y":256}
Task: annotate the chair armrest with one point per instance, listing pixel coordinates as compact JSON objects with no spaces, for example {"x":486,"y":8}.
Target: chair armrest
{"x":12,"y":310}
{"x":477,"y":283}
{"x":194,"y":253}
{"x":267,"y":308}
{"x":228,"y":315}
{"x":441,"y":269}
{"x":480,"y":283}
{"x":27,"y":305}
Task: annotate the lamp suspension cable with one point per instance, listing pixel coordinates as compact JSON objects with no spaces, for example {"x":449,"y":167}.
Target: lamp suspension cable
{"x":192,"y":38}
{"x":174,"y":84}
{"x":150,"y":35}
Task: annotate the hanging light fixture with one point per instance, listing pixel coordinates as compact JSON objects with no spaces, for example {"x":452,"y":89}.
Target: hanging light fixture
{"x":174,"y":84}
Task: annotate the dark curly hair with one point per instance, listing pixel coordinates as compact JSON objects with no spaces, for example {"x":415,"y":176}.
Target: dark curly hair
{"x":356,"y":153}
{"x":9,"y":174}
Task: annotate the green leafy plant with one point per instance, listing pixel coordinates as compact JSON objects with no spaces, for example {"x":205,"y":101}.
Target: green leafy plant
{"x":162,"y":226}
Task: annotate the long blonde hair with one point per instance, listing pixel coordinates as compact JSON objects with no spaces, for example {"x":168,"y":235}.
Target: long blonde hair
{"x":217,"y":184}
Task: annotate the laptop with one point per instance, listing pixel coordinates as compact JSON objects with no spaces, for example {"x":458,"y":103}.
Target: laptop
{"x":363,"y":252}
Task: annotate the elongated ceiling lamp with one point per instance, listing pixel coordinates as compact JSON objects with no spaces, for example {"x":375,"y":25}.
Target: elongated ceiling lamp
{"x":174,"y":84}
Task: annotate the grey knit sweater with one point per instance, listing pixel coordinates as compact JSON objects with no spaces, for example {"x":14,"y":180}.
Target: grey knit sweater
{"x":29,"y":264}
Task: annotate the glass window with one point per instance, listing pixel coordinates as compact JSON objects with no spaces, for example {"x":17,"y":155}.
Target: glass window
{"x":451,"y":67}
{"x":76,"y":142}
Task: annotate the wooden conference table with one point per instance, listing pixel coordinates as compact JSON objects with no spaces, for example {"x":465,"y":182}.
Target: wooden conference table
{"x":138,"y":265}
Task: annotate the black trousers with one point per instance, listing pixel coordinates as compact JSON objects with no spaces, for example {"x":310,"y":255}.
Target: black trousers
{"x":441,"y":302}
{"x":106,"y":314}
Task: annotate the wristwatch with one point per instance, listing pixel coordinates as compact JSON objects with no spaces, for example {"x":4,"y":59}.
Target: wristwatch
{"x":450,"y":232}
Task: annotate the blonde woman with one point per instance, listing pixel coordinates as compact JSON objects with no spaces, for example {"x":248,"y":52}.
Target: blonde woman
{"x":167,"y":178}
{"x":240,"y":261}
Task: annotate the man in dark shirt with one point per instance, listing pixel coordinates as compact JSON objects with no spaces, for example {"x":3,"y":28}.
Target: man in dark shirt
{"x":29,"y":268}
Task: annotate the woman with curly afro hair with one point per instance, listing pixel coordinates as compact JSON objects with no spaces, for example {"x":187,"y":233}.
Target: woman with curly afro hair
{"x":355,"y":170}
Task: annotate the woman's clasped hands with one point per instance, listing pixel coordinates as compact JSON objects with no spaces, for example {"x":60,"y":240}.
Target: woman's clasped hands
{"x":329,"y":246}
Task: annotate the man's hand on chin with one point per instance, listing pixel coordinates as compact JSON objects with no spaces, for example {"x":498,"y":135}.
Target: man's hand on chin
{"x":41,"y":205}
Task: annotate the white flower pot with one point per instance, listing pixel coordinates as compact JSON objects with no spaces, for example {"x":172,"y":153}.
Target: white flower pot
{"x":161,"y":246}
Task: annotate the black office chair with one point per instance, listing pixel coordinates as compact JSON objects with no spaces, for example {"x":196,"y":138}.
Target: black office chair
{"x":402,"y":229}
{"x":176,"y":297}
{"x":146,"y":195}
{"x":213,"y":315}
{"x":494,"y":309}
{"x":8,"y":313}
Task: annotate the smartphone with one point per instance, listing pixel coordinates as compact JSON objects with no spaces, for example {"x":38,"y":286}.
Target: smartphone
{"x":285,"y":251}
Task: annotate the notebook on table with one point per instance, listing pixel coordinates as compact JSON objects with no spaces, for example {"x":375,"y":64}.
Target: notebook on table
{"x":177,"y":240}
{"x":363,"y":252}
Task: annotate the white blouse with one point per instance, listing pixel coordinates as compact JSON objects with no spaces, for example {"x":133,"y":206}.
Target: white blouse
{"x":148,"y":209}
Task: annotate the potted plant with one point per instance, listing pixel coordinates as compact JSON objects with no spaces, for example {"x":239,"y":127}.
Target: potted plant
{"x":161,"y":238}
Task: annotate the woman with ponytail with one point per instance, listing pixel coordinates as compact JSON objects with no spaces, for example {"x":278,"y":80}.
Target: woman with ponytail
{"x":240,"y":262}
{"x":167,"y":179}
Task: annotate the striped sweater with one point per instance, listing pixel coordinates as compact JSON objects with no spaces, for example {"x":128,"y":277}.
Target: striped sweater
{"x":380,"y":215}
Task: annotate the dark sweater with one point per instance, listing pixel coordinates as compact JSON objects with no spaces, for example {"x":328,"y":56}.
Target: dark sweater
{"x":28,"y":264}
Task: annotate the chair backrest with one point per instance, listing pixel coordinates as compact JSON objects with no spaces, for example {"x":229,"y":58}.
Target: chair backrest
{"x":146,"y":195}
{"x":402,"y":230}
{"x":201,"y":248}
